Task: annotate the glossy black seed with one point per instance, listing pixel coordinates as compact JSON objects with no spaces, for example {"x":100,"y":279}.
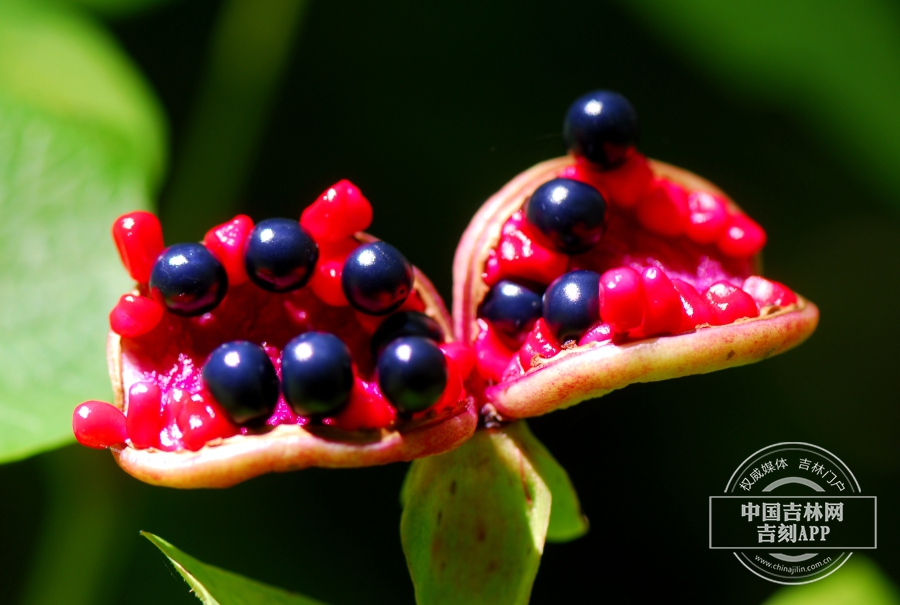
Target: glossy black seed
{"x":316,"y":373}
{"x":188,"y":280}
{"x":412,"y":373}
{"x":280,"y":255}
{"x":242,"y":380}
{"x":407,"y":323}
{"x":570,"y":213}
{"x":601,"y":127}
{"x":511,"y":308}
{"x":572,"y":304}
{"x":376,"y":278}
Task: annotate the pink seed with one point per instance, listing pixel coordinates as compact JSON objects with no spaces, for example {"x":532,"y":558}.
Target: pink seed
{"x":662,"y":304}
{"x":366,"y":410}
{"x":708,"y":217}
{"x":622,"y":299}
{"x":539,"y":343}
{"x":462,"y":356}
{"x":664,"y":209}
{"x":201,"y":420}
{"x":135,"y":315}
{"x":694,"y":308}
{"x":226,"y":242}
{"x":144,"y":420}
{"x":98,"y":424}
{"x":742,"y":238}
{"x":338,"y":213}
{"x":326,"y":279}
{"x":729,"y":303}
{"x":601,"y":332}
{"x":139,"y":240}
{"x":491,"y":355}
{"x":521,"y":254}
{"x":768,"y":293}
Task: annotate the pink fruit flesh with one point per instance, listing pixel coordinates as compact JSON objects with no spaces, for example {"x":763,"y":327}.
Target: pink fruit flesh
{"x":337,"y":214}
{"x":226,"y":242}
{"x":98,"y":424}
{"x":139,"y":240}
{"x":135,"y":315}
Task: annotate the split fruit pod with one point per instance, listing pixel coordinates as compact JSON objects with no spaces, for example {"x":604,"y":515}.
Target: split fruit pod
{"x":680,"y":288}
{"x":202,"y":398}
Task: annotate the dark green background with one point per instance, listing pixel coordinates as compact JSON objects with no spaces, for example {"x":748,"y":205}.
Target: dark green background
{"x":429,"y":108}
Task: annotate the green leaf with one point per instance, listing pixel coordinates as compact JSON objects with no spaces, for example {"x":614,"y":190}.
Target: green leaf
{"x":474,"y":523}
{"x":116,"y":8}
{"x":215,"y":586}
{"x":567,"y":522}
{"x":837,"y":69}
{"x":80,"y":144}
{"x":858,"y":581}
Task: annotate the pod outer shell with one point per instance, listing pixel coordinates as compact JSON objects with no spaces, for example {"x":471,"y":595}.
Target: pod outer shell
{"x":596,"y":369}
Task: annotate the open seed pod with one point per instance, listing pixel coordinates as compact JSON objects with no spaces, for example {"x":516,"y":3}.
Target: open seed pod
{"x":593,"y":271}
{"x":276,"y":347}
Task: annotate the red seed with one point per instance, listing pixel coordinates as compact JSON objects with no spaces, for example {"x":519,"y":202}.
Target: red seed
{"x":664,"y":208}
{"x":622,"y":299}
{"x":98,"y":424}
{"x":139,"y":240}
{"x":729,"y":303}
{"x":135,"y":315}
{"x":144,"y":419}
{"x":367,"y":409}
{"x":491,"y":355}
{"x":454,"y":390}
{"x":462,"y":356}
{"x":337,"y":214}
{"x":742,"y":238}
{"x":326,"y":279}
{"x":662,"y":304}
{"x":522,"y":255}
{"x":622,"y":186}
{"x":694,"y":308}
{"x":226,"y":242}
{"x":201,"y":420}
{"x":539,"y":343}
{"x":708,"y":217}
{"x":601,"y":332}
{"x":768,"y":293}
{"x":492,"y":273}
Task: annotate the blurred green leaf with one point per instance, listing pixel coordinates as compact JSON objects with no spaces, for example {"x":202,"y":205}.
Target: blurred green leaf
{"x":858,"y":581}
{"x":474,"y":523}
{"x":116,"y":8}
{"x":567,"y":522}
{"x":216,"y":586}
{"x":80,"y":143}
{"x":835,"y":66}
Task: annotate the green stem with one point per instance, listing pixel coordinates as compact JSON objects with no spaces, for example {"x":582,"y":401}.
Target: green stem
{"x":84,"y":530}
{"x":249,"y":53}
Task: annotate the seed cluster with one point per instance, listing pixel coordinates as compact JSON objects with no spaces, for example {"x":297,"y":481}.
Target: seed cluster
{"x":315,"y":377}
{"x":585,"y":259}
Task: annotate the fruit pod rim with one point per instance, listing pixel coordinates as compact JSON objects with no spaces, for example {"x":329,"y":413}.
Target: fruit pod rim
{"x":293,"y":447}
{"x":752,"y":339}
{"x":600,"y":368}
